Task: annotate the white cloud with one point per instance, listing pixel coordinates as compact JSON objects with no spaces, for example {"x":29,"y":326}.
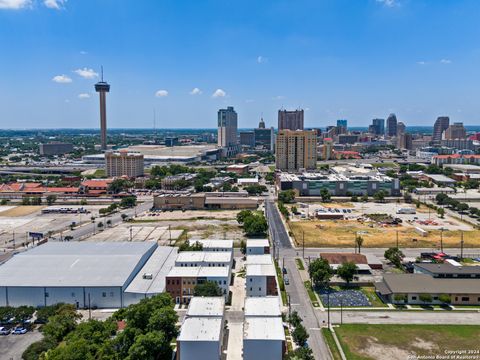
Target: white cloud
{"x":196,"y":91}
{"x":62,"y":79}
{"x":248,"y":101}
{"x":83,"y":96}
{"x":219,"y":93}
{"x":279,"y":97}
{"x":54,"y":4}
{"x":445,"y":61}
{"x":14,"y":4}
{"x":161,"y":93}
{"x":421,"y":62}
{"x":389,"y":3}
{"x":262,"y":60}
{"x":86,"y":73}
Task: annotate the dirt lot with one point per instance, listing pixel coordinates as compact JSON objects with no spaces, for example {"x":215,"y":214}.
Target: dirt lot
{"x":342,"y":233}
{"x":18,"y":211}
{"x":398,"y":342}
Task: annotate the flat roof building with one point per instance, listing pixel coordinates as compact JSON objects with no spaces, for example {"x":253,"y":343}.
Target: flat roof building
{"x":200,"y":338}
{"x":258,"y":247}
{"x":265,"y":259}
{"x":261,"y":280}
{"x":206,"y":306}
{"x":263,"y":338}
{"x":268,"y":306}
{"x":73,"y":272}
{"x":204,"y":258}
{"x":124,"y":163}
{"x":55,"y":148}
{"x":217,"y":245}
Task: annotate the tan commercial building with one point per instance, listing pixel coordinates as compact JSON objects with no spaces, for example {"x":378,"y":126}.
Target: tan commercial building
{"x":455,"y":131}
{"x":198,"y":201}
{"x":124,"y":164}
{"x":296,"y":150}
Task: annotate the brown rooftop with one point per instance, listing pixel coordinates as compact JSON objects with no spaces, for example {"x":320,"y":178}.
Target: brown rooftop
{"x":340,"y":258}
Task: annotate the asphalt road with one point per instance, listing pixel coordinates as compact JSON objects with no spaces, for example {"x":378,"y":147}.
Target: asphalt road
{"x":299,"y":300}
{"x":13,"y":346}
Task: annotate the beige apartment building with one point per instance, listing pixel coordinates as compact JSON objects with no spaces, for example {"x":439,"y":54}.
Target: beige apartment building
{"x":124,"y":163}
{"x":296,"y":150}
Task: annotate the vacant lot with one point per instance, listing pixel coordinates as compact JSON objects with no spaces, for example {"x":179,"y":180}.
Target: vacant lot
{"x":18,"y":211}
{"x":398,"y":342}
{"x":342,"y":233}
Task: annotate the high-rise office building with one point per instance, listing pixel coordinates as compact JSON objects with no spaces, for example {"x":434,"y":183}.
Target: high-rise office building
{"x":124,"y":163}
{"x":441,"y":124}
{"x":247,"y":138}
{"x":391,"y":125}
{"x":342,"y":126}
{"x":290,"y":120}
{"x":455,"y":131}
{"x":401,"y":128}
{"x":404,"y":141}
{"x":227,"y":131}
{"x":378,"y":126}
{"x":102,"y":87}
{"x":296,"y":150}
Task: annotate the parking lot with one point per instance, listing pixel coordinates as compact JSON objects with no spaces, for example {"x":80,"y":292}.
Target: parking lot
{"x":12,"y":346}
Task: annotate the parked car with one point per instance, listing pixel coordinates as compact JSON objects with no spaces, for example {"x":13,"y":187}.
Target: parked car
{"x":4,"y":331}
{"x":19,"y":330}
{"x":285,"y":280}
{"x":284,"y":270}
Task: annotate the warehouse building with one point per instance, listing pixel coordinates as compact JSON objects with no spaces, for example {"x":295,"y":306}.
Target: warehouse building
{"x":85,"y":274}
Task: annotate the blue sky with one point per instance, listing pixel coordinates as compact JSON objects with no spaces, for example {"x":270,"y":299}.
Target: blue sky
{"x":353,"y":59}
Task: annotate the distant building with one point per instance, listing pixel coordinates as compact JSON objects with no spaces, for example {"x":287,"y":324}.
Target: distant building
{"x":227,"y":131}
{"x":391,"y":125}
{"x":296,"y":150}
{"x":290,"y":120}
{"x":456,"y":159}
{"x":441,"y":124}
{"x":460,"y":144}
{"x":55,"y":148}
{"x":347,"y":138}
{"x":247,"y":138}
{"x":378,"y":126}
{"x":171,"y":141}
{"x":199,"y":201}
{"x":264,"y":138}
{"x":404,"y":141}
{"x":124,"y":163}
{"x":342,"y":126}
{"x":327,"y":150}
{"x":401,"y":128}
{"x":455,"y":131}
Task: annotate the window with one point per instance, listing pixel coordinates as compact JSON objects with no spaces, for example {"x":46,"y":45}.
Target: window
{"x":224,"y":282}
{"x":465,"y":298}
{"x":251,"y":289}
{"x":250,"y":279}
{"x":104,"y":294}
{"x":73,"y":294}
{"x":168,"y":282}
{"x":46,"y":294}
{"x":259,"y":289}
{"x":414,"y":298}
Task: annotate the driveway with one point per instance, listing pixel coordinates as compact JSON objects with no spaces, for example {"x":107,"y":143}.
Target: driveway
{"x":13,"y":346}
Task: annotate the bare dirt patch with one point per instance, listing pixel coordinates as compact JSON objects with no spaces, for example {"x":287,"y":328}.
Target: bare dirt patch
{"x":18,"y":211}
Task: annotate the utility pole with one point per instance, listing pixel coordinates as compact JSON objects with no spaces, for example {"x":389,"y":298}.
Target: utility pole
{"x":89,"y":308}
{"x":328,"y":308}
{"x":130,"y":232}
{"x":441,"y":239}
{"x":303,"y":241}
{"x":461,"y":247}
{"x":13,"y":239}
{"x":341,"y":311}
{"x":397,"y":240}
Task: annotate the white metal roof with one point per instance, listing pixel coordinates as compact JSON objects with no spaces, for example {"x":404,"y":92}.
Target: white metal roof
{"x":263,"y":259}
{"x":257,"y":243}
{"x":75,"y":264}
{"x":206,"y":306}
{"x":262,"y":306}
{"x":263,"y":328}
{"x":201,"y":329}
{"x":158,"y":266}
{"x":204,"y":256}
{"x":199,"y":271}
{"x":260,"y":270}
{"x":216,"y":243}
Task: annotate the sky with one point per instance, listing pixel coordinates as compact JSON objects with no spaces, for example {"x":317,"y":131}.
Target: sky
{"x":183,"y":60}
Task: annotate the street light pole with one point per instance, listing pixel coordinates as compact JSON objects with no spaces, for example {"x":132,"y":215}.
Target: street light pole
{"x":461,"y":247}
{"x":303,"y":242}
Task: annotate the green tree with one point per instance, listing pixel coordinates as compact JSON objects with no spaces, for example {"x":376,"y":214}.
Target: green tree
{"x":395,"y":256}
{"x":36,"y":349}
{"x":128,"y":202}
{"x":347,"y":271}
{"x":255,"y":189}
{"x":51,"y":199}
{"x":301,"y":353}
{"x":325,"y":194}
{"x":187,"y":246}
{"x":425,"y":298}
{"x":300,"y":335}
{"x":286,"y":196}
{"x":207,"y":288}
{"x":400,"y":297}
{"x":320,"y":272}
{"x":441,"y":212}
{"x":379,"y":196}
{"x":119,"y":185}
{"x":243,"y":247}
{"x":358,"y":243}
{"x":59,"y":325}
{"x":364,"y":198}
{"x":164,"y":319}
{"x":294,"y":319}
{"x":255,"y":225}
{"x":445,"y":298}
{"x":354,"y":198}
{"x":150,"y":346}
{"x":242,"y":215}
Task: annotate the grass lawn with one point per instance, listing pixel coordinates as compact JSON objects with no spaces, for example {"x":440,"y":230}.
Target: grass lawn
{"x":281,"y":284}
{"x":397,"y":342}
{"x":299,"y":263}
{"x":342,"y":233}
{"x":311,"y":294}
{"x":370,"y":293}
{"x":327,"y":335}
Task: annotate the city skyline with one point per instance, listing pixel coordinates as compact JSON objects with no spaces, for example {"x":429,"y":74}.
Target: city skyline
{"x":335,"y":60}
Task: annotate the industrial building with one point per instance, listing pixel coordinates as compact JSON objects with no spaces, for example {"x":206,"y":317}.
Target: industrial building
{"x":258,"y":247}
{"x":124,"y":163}
{"x":199,"y":201}
{"x":95,"y":274}
{"x":339,"y":183}
{"x":55,"y":148}
{"x":261,"y":280}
